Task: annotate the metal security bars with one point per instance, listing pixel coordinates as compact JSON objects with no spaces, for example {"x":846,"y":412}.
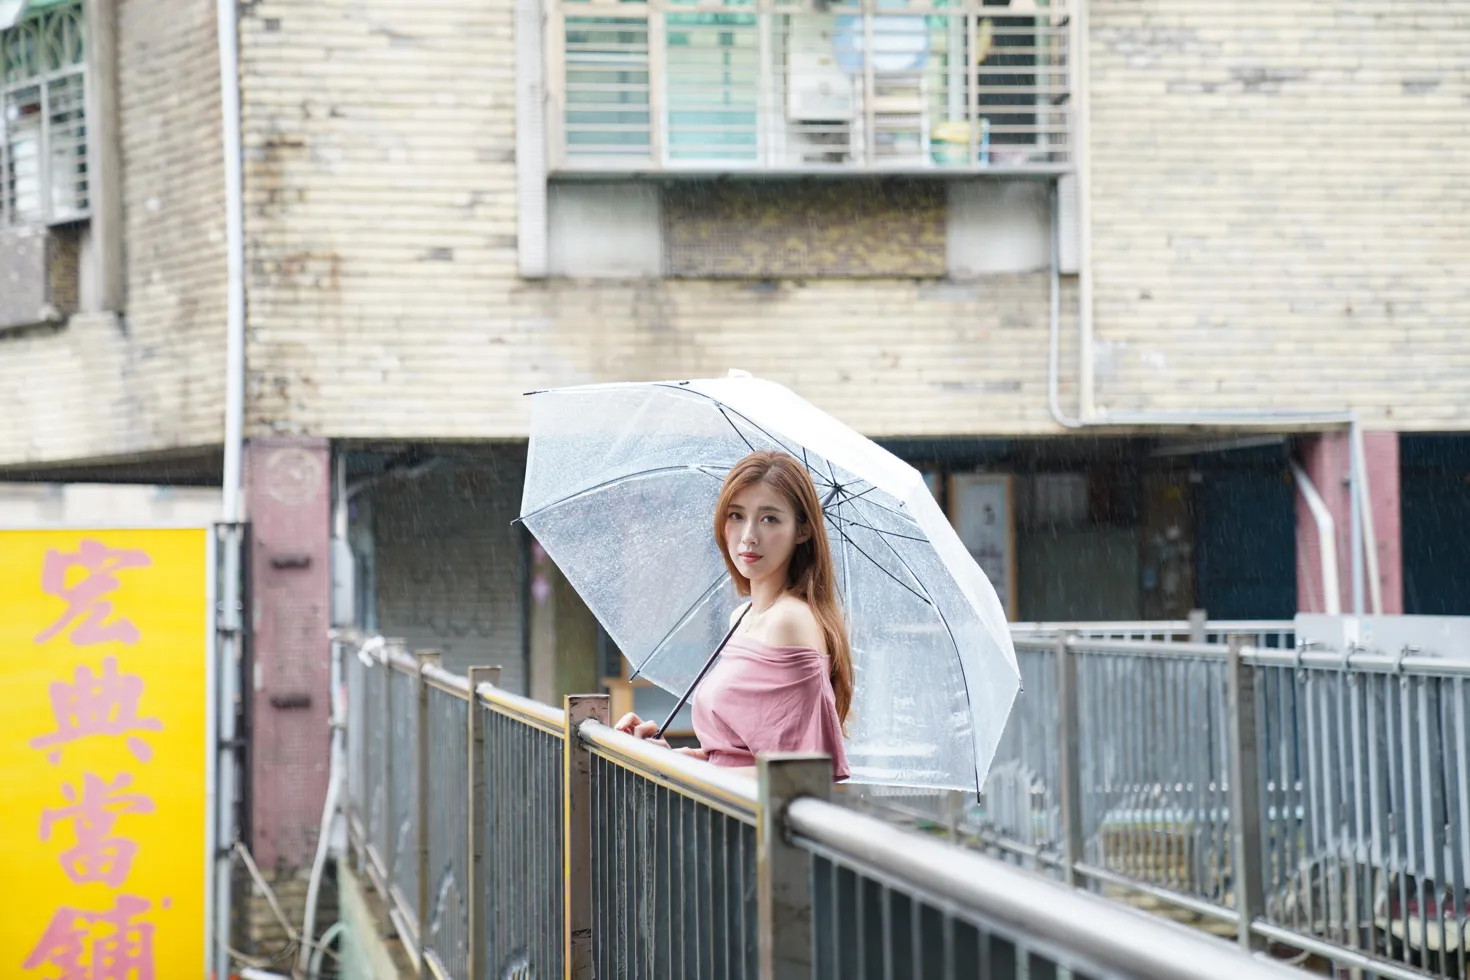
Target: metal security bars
{"x":511,"y":839}
{"x":43,"y":117}
{"x":809,"y":86}
{"x":1322,"y":797}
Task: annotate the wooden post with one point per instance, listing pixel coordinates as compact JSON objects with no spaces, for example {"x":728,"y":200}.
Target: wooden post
{"x":783,"y":872}
{"x":577,"y":834}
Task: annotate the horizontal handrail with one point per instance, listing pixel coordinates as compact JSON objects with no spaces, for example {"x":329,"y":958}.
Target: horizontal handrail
{"x":1367,"y":662}
{"x":1158,"y":626}
{"x":1135,"y":648}
{"x":534,"y":713}
{"x":450,"y":683}
{"x":405,"y":663}
{"x":726,"y":791}
{"x":1106,"y":934}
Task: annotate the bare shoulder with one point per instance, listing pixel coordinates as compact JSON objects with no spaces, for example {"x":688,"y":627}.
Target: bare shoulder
{"x":735,"y":616}
{"x":791,"y":623}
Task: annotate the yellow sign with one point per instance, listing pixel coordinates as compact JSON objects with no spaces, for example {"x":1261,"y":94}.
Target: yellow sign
{"x":105,"y":753}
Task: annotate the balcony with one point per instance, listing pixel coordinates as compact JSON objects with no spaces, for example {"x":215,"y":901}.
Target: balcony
{"x":755,"y":87}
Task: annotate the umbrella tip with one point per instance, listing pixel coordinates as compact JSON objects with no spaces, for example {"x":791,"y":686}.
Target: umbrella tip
{"x":738,"y":373}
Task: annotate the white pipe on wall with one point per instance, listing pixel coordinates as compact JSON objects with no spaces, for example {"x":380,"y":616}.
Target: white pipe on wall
{"x":227,"y":26}
{"x":1326,"y":539}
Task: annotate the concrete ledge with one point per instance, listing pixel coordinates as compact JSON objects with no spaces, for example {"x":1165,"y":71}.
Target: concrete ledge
{"x":367,"y":954}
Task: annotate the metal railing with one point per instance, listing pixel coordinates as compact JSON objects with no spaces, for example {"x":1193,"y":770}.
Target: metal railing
{"x":1322,"y":798}
{"x":510,"y":839}
{"x":862,"y":86}
{"x":1263,"y":633}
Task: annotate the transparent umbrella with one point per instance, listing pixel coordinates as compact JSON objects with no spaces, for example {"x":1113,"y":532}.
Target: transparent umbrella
{"x":621,"y":484}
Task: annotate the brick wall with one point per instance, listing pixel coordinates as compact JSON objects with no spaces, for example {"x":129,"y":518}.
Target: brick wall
{"x":382,"y":248}
{"x":1281,"y":221}
{"x":1281,"y":213}
{"x":1282,"y":208}
{"x":103,"y":386}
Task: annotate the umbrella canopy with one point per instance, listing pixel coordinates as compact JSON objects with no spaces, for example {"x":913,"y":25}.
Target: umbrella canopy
{"x":621,"y":485}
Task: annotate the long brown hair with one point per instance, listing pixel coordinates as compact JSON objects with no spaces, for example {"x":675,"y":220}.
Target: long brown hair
{"x":810,"y":576}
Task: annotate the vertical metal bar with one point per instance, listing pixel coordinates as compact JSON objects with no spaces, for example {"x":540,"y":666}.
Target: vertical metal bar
{"x":1432,"y":832}
{"x":1245,"y":808}
{"x":783,"y":872}
{"x":1461,"y":819}
{"x":389,"y":843}
{"x":870,"y":88}
{"x":658,"y":114}
{"x":475,"y":833}
{"x":1069,"y":769}
{"x":972,"y":84}
{"x":577,"y":834}
{"x":421,"y":790}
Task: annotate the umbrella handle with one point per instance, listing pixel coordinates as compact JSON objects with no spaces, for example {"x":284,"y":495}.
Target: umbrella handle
{"x":703,"y":670}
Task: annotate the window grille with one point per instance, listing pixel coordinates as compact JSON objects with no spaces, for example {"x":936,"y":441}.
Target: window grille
{"x":43,"y":117}
{"x":801,"y":86}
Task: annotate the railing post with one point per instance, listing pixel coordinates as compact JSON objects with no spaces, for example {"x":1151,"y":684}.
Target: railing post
{"x":1245,"y":792}
{"x":421,"y":790}
{"x":1198,"y":623}
{"x":783,"y":872}
{"x":389,"y":844}
{"x":577,"y":834}
{"x":1069,"y":759}
{"x":475,"y":832}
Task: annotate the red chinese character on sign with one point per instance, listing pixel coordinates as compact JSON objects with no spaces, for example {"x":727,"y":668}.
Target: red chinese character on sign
{"x":124,"y":950}
{"x":101,"y":704}
{"x":85,"y":604}
{"x":97,"y":856}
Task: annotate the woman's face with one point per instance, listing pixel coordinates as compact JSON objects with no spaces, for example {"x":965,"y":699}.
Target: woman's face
{"x":761,"y":532}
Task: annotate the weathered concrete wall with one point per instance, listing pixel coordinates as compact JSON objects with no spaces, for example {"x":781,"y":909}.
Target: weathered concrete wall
{"x":152,"y":379}
{"x":1282,"y":207}
{"x":385,"y":299}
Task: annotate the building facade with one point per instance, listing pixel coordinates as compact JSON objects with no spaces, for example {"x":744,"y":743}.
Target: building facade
{"x":1139,"y":269}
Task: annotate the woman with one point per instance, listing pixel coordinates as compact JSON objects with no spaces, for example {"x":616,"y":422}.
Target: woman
{"x":784,"y":680}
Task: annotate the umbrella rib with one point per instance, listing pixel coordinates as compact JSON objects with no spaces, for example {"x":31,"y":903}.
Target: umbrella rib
{"x":687,"y":467}
{"x":879,"y":530}
{"x":726,"y":417}
{"x":876,"y":564}
{"x":944,"y":621}
{"x":883,"y":507}
{"x":726,"y":408}
{"x":724,"y":577}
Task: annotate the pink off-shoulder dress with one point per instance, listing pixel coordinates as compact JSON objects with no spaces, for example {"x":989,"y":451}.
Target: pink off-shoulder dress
{"x":764,"y":698}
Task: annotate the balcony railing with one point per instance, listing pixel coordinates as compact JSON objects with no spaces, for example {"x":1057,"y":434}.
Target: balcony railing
{"x":782,"y":87}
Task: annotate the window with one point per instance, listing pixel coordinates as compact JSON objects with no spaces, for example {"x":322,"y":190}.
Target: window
{"x":777,"y":86}
{"x":43,"y":118}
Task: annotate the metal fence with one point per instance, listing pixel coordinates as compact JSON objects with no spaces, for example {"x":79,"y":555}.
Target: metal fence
{"x":1198,"y":628}
{"x":1323,"y":796}
{"x":509,"y":839}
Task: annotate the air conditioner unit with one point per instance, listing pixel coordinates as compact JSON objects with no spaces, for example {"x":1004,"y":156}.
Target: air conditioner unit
{"x":817,"y":89}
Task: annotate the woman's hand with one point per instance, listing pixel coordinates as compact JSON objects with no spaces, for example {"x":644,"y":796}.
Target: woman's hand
{"x":631,"y":724}
{"x":699,"y":754}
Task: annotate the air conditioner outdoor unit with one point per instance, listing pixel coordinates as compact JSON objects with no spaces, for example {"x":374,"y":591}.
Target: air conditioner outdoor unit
{"x":817,"y":89}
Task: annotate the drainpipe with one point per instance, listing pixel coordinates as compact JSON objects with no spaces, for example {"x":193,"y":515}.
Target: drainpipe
{"x":234,"y":451}
{"x":1082,"y":150}
{"x":1326,"y":539}
{"x":1364,"y":540}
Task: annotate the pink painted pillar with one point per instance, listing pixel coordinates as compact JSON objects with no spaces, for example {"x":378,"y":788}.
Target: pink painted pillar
{"x":1328,"y":462}
{"x":288,"y":495}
